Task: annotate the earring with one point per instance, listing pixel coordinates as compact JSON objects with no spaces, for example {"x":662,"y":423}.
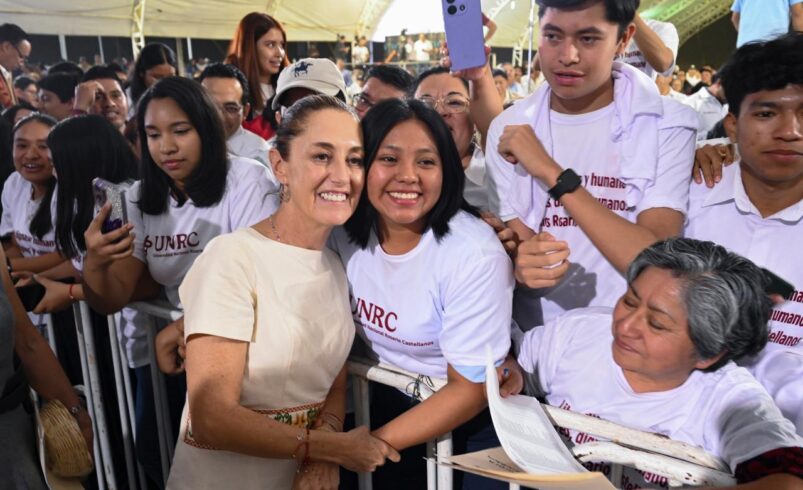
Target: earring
{"x":284,"y":192}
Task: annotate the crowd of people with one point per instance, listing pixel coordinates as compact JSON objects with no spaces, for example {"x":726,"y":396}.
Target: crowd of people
{"x":577,"y":225}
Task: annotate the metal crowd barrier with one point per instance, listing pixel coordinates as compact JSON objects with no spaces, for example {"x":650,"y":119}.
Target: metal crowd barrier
{"x":680,"y":463}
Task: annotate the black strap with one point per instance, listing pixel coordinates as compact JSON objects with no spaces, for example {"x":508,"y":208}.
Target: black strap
{"x":16,"y":390}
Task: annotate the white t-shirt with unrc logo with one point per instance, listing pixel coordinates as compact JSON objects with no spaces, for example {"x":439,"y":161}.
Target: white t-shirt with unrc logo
{"x":170,"y":242}
{"x":18,"y":211}
{"x":439,"y":303}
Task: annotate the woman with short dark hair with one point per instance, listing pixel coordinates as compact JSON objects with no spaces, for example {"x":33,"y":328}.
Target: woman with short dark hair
{"x":431,"y":286}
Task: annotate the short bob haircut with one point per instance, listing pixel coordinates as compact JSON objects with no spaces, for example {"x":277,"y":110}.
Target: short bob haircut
{"x":153,"y":54}
{"x":725,"y":296}
{"x":85,"y":147}
{"x":620,"y":12}
{"x":42,"y":221}
{"x":207,"y":183}
{"x":759,"y":66}
{"x":295,"y":119}
{"x":376,"y":125}
{"x":243,"y":53}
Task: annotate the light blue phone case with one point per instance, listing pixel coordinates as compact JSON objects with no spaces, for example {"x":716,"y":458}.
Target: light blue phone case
{"x":463,"y":22}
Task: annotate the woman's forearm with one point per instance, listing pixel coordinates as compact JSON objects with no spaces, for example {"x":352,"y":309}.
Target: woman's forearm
{"x":37,"y":264}
{"x":450,"y":407}
{"x":334,"y":405}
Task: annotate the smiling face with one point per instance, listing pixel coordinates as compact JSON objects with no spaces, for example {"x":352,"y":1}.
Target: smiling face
{"x":769,"y":131}
{"x":31,"y":155}
{"x":450,"y":95}
{"x":173,"y":142}
{"x":270,"y":53}
{"x":112,"y":103}
{"x":324,"y":169}
{"x":651,"y":333}
{"x":576,"y":52}
{"x":405,"y":178}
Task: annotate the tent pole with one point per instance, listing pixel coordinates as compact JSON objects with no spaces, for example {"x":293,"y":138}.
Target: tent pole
{"x":531,"y":29}
{"x":63,"y":47}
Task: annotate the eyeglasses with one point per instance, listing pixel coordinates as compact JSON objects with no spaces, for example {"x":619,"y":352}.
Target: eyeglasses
{"x":452,"y":104}
{"x":362,"y":103}
{"x":232,"y":109}
{"x":22,"y":56}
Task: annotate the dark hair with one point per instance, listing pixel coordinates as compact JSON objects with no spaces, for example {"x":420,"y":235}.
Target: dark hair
{"x":376,"y":125}
{"x":12,"y":33}
{"x":6,"y":152}
{"x":295,"y":118}
{"x":22,"y":82}
{"x":67,"y":67}
{"x":724,"y":295}
{"x":42,"y":221}
{"x":621,"y":12}
{"x":153,"y":54}
{"x":85,"y":147}
{"x":243,"y":54}
{"x":391,"y":75}
{"x":207,"y":183}
{"x":223,"y":70}
{"x":436,"y":70}
{"x":10,"y":113}
{"x":768,"y":65}
{"x":60,"y":83}
{"x":117,"y":67}
{"x":498,"y":72}
{"x":101,"y":72}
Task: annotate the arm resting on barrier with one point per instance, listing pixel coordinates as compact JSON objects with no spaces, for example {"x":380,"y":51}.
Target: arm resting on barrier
{"x":775,"y":482}
{"x":42,"y":369}
{"x":451,"y":406}
{"x":215,"y":367}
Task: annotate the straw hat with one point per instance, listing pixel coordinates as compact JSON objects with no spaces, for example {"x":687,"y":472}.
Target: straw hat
{"x":65,"y":447}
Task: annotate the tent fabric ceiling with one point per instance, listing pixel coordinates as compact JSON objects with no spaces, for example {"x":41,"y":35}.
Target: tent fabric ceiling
{"x":307,"y":20}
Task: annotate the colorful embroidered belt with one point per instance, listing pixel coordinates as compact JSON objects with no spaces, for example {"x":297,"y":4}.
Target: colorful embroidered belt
{"x":301,"y":416}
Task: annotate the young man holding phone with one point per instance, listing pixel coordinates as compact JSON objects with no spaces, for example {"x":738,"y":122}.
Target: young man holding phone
{"x":596,"y":162}
{"x":756,"y":209}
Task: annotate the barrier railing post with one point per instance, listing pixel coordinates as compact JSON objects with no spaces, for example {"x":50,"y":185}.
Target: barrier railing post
{"x":158,"y":400}
{"x":362,"y":416}
{"x":432,"y":470}
{"x":122,"y":402}
{"x":51,"y":333}
{"x":83,"y":325}
{"x":444,"y":450}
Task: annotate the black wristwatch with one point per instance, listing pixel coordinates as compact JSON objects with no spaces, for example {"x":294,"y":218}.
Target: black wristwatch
{"x":568,"y":181}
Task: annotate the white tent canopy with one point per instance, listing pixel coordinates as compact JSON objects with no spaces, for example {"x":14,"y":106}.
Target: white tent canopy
{"x":305,"y":20}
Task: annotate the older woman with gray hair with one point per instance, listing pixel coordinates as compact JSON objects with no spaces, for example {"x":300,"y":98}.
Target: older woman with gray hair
{"x":661,"y":360}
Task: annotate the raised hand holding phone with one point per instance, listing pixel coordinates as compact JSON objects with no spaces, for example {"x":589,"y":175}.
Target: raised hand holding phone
{"x":463,"y":25}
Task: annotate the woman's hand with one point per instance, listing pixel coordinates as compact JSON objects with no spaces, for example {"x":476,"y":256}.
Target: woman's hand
{"x":104,"y":248}
{"x":510,"y":377}
{"x":541,"y":261}
{"x":708,"y":163}
{"x":505,"y":235}
{"x":318,"y":476}
{"x":171,"y":348}
{"x":471,"y":74}
{"x":365,"y":452}
{"x":57,"y":295}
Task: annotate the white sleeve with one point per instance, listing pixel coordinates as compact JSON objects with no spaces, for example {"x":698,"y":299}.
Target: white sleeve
{"x":477,"y":304}
{"x":7,"y":222}
{"x":673,"y":174}
{"x":737,"y":6}
{"x":669,"y":35}
{"x":499,"y":171}
{"x":252,"y":199}
{"x":540,"y":352}
{"x":743,"y":422}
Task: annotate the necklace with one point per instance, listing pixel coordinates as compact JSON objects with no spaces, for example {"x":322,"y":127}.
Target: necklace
{"x":273,"y":228}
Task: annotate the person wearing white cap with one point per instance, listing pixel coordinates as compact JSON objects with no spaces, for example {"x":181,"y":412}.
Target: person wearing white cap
{"x":307,"y":76}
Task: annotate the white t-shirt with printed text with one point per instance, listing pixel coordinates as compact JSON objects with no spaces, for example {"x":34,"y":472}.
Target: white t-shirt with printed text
{"x":439,"y":303}
{"x":18,"y":211}
{"x":584,"y":143}
{"x":725,"y":215}
{"x":669,"y":36}
{"x":726,"y":412}
{"x":170,"y":242}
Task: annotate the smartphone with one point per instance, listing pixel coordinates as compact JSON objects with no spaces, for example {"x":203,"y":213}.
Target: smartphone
{"x":462,"y":20}
{"x":778,"y":285}
{"x":32,"y":294}
{"x":104,"y":191}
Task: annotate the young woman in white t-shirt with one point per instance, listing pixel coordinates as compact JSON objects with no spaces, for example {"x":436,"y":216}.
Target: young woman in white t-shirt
{"x":662,"y":360}
{"x":431,"y":286}
{"x":27,"y":224}
{"x":268,"y":326}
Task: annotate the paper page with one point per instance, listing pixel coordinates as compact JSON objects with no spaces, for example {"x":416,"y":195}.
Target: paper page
{"x":525,"y":431}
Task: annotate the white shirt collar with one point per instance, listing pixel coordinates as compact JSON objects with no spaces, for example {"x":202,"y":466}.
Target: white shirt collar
{"x":731,"y":188}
